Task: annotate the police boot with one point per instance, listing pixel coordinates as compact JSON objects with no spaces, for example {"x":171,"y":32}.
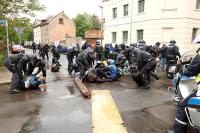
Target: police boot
{"x":155,"y":76}
{"x":13,"y":91}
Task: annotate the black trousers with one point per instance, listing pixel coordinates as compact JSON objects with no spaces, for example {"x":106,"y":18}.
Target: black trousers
{"x":16,"y":77}
{"x":181,"y":119}
{"x":81,"y":68}
{"x":70,"y":61}
{"x":99,"y":56}
{"x":147,"y":69}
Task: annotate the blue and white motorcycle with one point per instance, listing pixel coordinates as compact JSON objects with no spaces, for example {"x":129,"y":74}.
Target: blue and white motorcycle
{"x":183,"y":86}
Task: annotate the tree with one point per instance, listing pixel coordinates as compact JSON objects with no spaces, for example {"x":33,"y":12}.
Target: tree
{"x":96,"y":25}
{"x":13,"y":8}
{"x":84,"y":22}
{"x":18,"y":22}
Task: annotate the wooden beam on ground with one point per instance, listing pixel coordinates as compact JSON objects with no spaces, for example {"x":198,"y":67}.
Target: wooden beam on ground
{"x":83,"y":89}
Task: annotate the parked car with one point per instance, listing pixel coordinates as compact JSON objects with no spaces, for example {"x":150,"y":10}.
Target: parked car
{"x":17,"y":49}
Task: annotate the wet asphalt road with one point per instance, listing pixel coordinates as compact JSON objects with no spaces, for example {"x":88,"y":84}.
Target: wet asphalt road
{"x":63,"y":110}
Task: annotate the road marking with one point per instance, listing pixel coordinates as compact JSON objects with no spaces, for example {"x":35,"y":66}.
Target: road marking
{"x":105,"y":116}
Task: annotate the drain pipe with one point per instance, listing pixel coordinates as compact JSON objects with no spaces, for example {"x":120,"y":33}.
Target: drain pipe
{"x":131,"y":21}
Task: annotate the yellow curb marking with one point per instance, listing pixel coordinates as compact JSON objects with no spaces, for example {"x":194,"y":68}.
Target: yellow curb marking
{"x":105,"y":116}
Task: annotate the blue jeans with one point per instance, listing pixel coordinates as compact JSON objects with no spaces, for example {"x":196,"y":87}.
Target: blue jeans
{"x":163,"y":62}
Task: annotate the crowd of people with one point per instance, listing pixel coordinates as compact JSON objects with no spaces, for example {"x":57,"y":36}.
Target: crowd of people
{"x":102,"y":64}
{"x":99,"y":64}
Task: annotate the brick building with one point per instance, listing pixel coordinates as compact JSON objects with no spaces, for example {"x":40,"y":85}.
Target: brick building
{"x":53,"y":29}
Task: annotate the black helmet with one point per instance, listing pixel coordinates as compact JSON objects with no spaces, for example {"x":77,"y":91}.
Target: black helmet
{"x":91,"y":53}
{"x":122,"y":46}
{"x":172,"y":42}
{"x":75,"y":49}
{"x":32,"y":58}
{"x":133,"y":44}
{"x":136,"y":51}
{"x":97,"y":43}
{"x":142,"y":41}
{"x":158,"y":43}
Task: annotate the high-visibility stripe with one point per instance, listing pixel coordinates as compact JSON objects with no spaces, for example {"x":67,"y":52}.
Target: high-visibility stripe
{"x":181,"y":122}
{"x":105,"y":116}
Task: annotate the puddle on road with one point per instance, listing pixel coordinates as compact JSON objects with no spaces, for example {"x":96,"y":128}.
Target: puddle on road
{"x":33,"y":123}
{"x":143,"y":122}
{"x":58,"y":78}
{"x":70,"y":89}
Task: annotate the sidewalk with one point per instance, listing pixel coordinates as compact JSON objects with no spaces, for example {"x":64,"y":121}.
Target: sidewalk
{"x":5,"y":75}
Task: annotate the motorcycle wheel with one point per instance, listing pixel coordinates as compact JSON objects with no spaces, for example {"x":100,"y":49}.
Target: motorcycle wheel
{"x":170,"y":75}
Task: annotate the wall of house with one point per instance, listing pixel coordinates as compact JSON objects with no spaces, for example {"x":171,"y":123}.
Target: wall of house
{"x":37,"y":35}
{"x":59,"y":31}
{"x":161,"y":20}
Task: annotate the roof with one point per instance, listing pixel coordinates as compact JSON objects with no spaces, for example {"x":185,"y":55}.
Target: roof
{"x":48,"y":19}
{"x":93,"y":34}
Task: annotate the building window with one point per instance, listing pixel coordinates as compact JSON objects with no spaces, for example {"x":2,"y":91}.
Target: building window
{"x":114,"y":37}
{"x":139,"y":35}
{"x":114,"y":12}
{"x":194,"y":33}
{"x":141,"y":6}
{"x":125,"y":36}
{"x":126,"y":10}
{"x":61,"y":21}
{"x":198,"y":4}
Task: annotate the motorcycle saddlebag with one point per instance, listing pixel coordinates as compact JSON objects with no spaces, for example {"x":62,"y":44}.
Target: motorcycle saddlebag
{"x":193,"y":109}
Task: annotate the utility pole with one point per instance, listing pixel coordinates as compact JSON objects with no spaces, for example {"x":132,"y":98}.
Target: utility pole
{"x":131,"y":21}
{"x":101,"y":24}
{"x":7,"y":38}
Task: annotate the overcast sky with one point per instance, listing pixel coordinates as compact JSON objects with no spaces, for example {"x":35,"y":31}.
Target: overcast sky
{"x":70,"y":7}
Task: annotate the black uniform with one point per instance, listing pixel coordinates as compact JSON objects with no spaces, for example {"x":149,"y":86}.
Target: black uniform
{"x":107,"y":51}
{"x":70,"y":56}
{"x":99,"y":52}
{"x":34,"y":47}
{"x":84,"y":61}
{"x":172,"y":53}
{"x":146,"y":63}
{"x":17,"y":65}
{"x":41,"y":67}
{"x":45,"y":51}
{"x":120,"y":60}
{"x":151,"y":50}
{"x":142,"y":45}
{"x":56,"y":56}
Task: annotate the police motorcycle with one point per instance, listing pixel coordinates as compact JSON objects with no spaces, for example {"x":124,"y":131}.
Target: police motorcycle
{"x":171,"y":69}
{"x":183,"y":86}
{"x":174,"y":65}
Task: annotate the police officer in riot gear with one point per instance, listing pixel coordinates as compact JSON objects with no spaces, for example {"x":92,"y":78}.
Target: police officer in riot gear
{"x":16,"y":64}
{"x":142,"y":45}
{"x":41,"y":67}
{"x":146,"y":64}
{"x":120,"y":60}
{"x":70,"y":56}
{"x":122,"y":47}
{"x":45,"y":51}
{"x":84,"y":61}
{"x":99,"y":52}
{"x":56,"y":56}
{"x":172,"y":53}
